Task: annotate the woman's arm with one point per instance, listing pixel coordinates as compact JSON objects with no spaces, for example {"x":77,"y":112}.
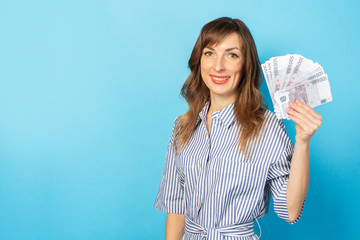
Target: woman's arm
{"x":175,"y":224}
{"x":307,"y":122}
{"x":298,"y":181}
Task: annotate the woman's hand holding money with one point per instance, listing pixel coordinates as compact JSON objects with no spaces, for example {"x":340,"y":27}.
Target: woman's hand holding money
{"x":306,"y":119}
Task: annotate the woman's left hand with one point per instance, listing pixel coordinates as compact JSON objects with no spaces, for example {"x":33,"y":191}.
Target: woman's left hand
{"x":306,"y":119}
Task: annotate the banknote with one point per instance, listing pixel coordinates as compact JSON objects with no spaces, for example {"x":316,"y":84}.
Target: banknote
{"x":313,"y":93}
{"x":267,"y":75}
{"x":292,"y":77}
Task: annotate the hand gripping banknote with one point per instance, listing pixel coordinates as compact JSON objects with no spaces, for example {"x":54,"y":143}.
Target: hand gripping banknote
{"x":292,"y":77}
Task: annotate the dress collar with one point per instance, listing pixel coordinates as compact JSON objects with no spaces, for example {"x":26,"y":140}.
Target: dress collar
{"x":226,"y":115}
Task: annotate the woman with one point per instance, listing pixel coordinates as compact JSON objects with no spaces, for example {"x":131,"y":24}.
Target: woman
{"x":228,"y":154}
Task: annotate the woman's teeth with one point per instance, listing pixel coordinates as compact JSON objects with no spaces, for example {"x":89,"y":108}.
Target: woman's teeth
{"x":220,"y":79}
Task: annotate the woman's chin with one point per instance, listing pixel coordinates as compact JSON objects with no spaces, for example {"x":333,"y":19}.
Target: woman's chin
{"x":222,"y":94}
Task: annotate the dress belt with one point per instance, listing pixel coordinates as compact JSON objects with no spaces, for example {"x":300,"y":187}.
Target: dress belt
{"x":236,"y":230}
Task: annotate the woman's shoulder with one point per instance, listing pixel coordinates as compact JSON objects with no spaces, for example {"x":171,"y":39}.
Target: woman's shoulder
{"x":274,"y":130}
{"x":176,"y":125}
{"x":177,"y":121}
{"x":272,"y":121}
{"x":270,"y":116}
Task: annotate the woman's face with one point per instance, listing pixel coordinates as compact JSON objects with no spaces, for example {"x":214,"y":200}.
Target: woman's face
{"x":221,"y":67}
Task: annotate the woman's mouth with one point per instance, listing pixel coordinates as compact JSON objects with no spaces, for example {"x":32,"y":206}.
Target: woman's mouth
{"x":219,"y":79}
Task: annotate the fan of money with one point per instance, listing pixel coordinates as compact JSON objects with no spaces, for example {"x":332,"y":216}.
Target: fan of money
{"x":292,"y":77}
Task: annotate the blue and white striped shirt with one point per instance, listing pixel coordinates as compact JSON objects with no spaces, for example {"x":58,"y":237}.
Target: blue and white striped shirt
{"x":219,"y":190}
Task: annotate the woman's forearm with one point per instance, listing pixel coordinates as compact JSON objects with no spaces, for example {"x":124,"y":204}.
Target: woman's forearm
{"x":175,"y":224}
{"x":298,"y":180}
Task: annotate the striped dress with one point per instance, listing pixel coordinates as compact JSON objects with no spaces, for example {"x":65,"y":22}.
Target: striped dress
{"x":220,"y":191}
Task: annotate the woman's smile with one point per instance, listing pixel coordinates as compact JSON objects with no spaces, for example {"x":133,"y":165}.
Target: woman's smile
{"x":219,"y":79}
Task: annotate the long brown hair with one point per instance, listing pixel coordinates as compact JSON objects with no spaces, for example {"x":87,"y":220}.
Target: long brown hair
{"x":249,"y":108}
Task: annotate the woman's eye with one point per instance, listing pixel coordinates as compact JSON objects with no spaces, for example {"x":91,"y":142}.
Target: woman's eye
{"x":207,"y":53}
{"x":233,"y":55}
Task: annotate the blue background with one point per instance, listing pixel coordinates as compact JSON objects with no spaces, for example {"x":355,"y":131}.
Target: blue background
{"x":89,"y":92}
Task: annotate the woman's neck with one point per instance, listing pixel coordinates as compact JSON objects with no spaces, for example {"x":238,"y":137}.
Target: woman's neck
{"x":217,"y":103}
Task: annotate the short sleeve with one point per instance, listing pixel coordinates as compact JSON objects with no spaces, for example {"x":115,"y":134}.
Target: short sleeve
{"x":278,"y":177}
{"x":170,"y":196}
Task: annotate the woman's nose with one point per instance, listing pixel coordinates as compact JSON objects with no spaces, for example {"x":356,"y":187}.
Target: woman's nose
{"x":219,"y":64}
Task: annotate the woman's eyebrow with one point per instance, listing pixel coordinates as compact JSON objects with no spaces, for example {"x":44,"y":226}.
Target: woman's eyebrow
{"x":229,"y":49}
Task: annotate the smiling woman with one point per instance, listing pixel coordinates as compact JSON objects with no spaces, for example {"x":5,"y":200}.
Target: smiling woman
{"x":225,"y":48}
{"x":222,"y":64}
{"x":228,"y":154}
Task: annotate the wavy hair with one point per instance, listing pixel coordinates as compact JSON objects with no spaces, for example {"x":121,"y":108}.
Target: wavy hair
{"x":249,"y":108}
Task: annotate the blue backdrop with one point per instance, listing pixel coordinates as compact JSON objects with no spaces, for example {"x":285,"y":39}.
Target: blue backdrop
{"x":89,"y":92}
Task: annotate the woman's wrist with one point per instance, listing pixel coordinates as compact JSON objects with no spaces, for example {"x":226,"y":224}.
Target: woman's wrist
{"x":301,"y":141}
